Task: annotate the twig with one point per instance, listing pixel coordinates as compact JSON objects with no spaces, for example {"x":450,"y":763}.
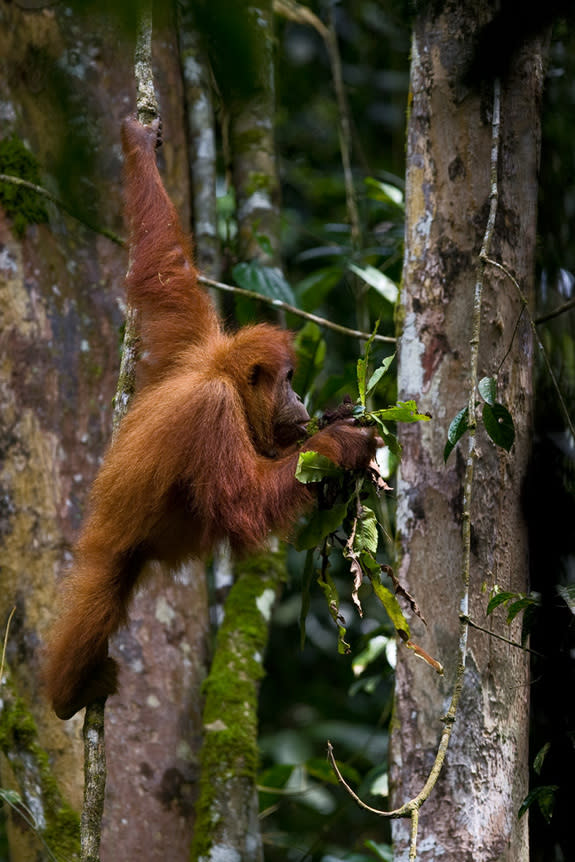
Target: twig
{"x":505,"y":640}
{"x":5,"y":644}
{"x":301,"y":15}
{"x":561,"y":309}
{"x":295,"y":12}
{"x":306,"y":315}
{"x":399,"y":812}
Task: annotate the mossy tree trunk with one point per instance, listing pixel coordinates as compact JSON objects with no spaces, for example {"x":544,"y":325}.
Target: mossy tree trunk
{"x":227,"y":825}
{"x":67,"y":81}
{"x":472,"y":813}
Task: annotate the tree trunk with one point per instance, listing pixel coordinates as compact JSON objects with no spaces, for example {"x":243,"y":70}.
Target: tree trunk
{"x":472,"y":813}
{"x":67,"y":81}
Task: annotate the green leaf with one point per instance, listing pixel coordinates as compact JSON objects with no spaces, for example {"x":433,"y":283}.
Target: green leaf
{"x":500,"y":599}
{"x":387,"y":599}
{"x":544,"y":796}
{"x":540,"y":757}
{"x":310,"y":351}
{"x":378,"y":280}
{"x":487,"y":387}
{"x":374,"y":649}
{"x":379,"y":373}
{"x":321,"y":523}
{"x":12,"y":797}
{"x":320,"y":769}
{"x":329,"y":590}
{"x":567,"y":593}
{"x":518,"y":606}
{"x":362,"y":366}
{"x":366,"y":537}
{"x":403,"y":411}
{"x":267,"y":280}
{"x":457,"y":428}
{"x":528,"y":621}
{"x":313,"y":467}
{"x":277,"y":776}
{"x":384,"y":192}
{"x":315,"y":288}
{"x":361,"y":380}
{"x":382,"y":852}
{"x":388,"y":438}
{"x":499,"y":425}
{"x":264,"y":243}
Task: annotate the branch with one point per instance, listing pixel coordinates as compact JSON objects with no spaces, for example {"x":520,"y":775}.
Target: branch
{"x":284,"y":306}
{"x":505,"y":640}
{"x":561,"y":309}
{"x":94,"y":782}
{"x":146,"y":100}
{"x":218,"y":285}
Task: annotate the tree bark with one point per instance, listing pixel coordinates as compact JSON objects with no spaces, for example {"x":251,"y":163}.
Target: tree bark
{"x":472,"y":813}
{"x":59,"y":319}
{"x":67,"y":81}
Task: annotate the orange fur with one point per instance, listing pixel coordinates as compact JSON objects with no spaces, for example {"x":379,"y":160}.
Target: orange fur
{"x":206,"y":452}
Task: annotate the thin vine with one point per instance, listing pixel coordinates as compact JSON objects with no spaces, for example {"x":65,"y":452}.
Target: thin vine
{"x":93,"y":730}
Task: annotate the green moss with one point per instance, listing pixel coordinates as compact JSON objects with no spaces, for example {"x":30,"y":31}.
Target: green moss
{"x":62,"y":833}
{"x":250,"y":138}
{"x":23,"y":205}
{"x":19,"y":736}
{"x":259,"y":182}
{"x":17,"y":728}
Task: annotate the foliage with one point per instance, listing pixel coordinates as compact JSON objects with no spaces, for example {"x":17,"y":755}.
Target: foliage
{"x":496,"y":419}
{"x":267,"y":280}
{"x":346,"y":515}
{"x":516,"y":603}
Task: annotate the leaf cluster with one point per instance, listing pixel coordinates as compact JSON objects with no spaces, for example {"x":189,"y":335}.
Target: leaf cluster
{"x":497,"y":420}
{"x":346,"y":512}
{"x":516,"y":603}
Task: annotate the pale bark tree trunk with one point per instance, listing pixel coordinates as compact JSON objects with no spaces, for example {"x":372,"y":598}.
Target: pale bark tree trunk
{"x":60,"y":320}
{"x":472,"y":813}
